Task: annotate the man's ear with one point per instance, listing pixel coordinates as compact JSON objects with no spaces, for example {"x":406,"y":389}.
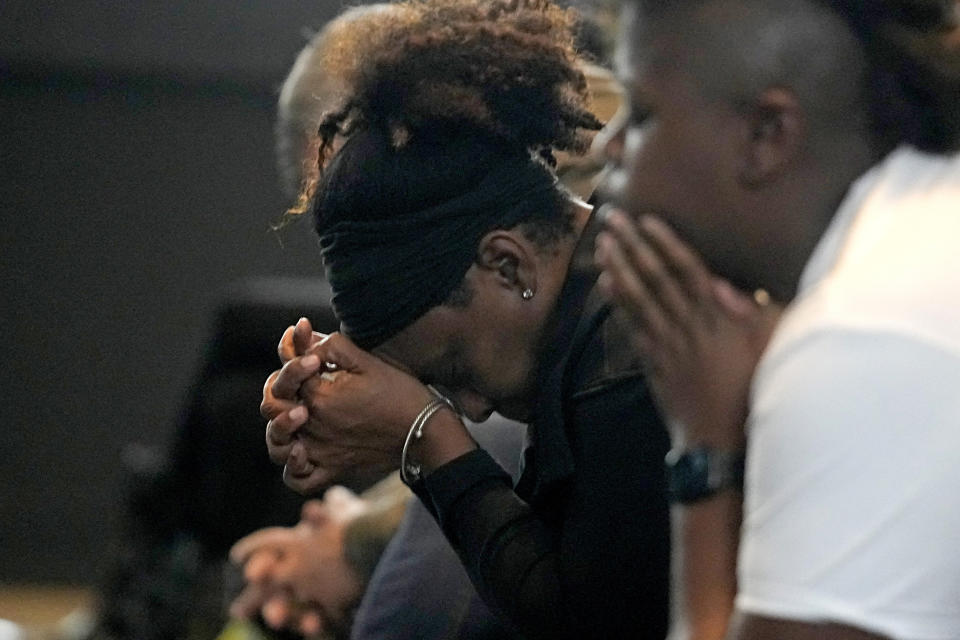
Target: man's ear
{"x":776,"y":126}
{"x":509,"y":257}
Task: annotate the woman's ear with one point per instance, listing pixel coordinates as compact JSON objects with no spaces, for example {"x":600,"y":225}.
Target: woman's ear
{"x":776,"y":125}
{"x":508,"y":256}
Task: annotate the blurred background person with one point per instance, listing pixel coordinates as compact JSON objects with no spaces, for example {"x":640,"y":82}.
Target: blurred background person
{"x":310,"y":577}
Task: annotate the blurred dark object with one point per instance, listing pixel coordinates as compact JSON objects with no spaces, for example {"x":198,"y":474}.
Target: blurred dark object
{"x":216,"y":484}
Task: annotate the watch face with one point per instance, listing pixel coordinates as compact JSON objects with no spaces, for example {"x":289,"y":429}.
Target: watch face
{"x":688,"y":475}
{"x":700,"y":472}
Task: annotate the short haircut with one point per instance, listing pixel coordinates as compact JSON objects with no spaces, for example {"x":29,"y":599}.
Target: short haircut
{"x":895,"y":61}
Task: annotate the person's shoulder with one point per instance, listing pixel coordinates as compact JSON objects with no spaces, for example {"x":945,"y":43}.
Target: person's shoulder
{"x":898,"y":264}
{"x":901,"y":261}
{"x":839,"y":371}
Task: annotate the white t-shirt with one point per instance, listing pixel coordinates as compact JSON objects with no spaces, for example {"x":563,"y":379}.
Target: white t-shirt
{"x":852,"y":509}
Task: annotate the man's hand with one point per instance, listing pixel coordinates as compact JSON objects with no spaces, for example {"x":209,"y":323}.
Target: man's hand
{"x":297,"y":577}
{"x":700,"y":339}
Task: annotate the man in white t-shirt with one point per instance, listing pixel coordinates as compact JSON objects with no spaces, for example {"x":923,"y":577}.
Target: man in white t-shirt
{"x":854,"y":428}
{"x":803,"y":150}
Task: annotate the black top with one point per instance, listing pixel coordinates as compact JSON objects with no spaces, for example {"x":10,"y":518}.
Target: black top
{"x":580,"y":548}
{"x":420,"y":589}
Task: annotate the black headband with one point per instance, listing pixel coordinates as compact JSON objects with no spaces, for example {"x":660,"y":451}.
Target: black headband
{"x":386,"y":273}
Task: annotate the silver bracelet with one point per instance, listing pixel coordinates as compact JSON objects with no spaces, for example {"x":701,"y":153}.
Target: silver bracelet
{"x":409,"y":471}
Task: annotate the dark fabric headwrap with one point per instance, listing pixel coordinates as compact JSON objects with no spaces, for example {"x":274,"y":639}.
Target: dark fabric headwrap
{"x":386,"y":273}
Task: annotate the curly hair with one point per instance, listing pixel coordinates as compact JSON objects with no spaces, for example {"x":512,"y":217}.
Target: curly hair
{"x":505,"y":70}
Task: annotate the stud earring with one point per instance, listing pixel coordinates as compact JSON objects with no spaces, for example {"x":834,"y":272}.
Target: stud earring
{"x":761,"y":297}
{"x":527,"y":293}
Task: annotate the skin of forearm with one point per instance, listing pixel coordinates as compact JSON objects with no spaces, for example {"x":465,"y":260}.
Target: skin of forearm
{"x":705,"y":539}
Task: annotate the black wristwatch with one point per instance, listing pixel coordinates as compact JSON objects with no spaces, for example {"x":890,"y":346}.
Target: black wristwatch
{"x":696,"y":474}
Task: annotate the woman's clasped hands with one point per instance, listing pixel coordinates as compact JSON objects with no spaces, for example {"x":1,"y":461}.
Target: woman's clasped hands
{"x":336,"y":410}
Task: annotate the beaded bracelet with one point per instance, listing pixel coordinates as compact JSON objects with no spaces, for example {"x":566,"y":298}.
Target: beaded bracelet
{"x":410,"y":472}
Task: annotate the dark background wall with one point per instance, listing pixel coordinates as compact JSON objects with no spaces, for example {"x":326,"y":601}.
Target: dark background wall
{"x":136,"y":181}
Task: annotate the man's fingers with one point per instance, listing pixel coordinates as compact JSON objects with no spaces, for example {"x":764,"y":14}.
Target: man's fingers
{"x":250,"y":601}
{"x":621,"y":282}
{"x":289,"y":569}
{"x":276,"y":611}
{"x":269,"y":537}
{"x":679,"y":258}
{"x":311,"y":623}
{"x":260,"y":566}
{"x":655,"y":270}
{"x":734,"y":302}
{"x":314,"y":512}
{"x":755,"y":311}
